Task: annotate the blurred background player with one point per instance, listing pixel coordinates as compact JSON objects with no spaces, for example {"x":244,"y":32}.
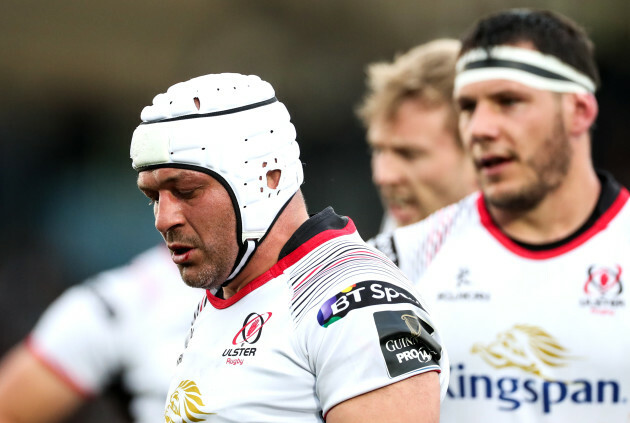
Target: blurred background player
{"x":527,"y":277}
{"x":418,"y":163}
{"x":124,"y":327}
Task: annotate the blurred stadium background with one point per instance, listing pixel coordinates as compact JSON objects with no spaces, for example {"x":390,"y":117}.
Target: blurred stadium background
{"x":74,"y":77}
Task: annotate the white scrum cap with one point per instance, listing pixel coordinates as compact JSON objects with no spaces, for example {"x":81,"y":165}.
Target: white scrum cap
{"x":233,"y":128}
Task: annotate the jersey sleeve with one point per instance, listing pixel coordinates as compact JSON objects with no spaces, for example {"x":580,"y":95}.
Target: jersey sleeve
{"x":369,"y":334}
{"x":76,"y":337}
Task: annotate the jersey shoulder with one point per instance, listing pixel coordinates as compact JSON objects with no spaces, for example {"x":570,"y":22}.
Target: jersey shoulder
{"x":340,"y":266}
{"x":420,"y":242}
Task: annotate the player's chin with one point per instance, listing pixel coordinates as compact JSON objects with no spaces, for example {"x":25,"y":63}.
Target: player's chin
{"x":191,"y":276}
{"x":511,"y":197}
{"x":405,"y":215}
{"x":495,"y":194}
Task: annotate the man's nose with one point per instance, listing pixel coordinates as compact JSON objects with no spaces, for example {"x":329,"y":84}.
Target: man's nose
{"x":168,"y":213}
{"x":386,"y":169}
{"x":482,"y":124}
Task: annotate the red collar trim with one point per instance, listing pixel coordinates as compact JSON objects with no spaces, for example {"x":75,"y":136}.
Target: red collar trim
{"x":600,"y":225}
{"x":286,"y":262}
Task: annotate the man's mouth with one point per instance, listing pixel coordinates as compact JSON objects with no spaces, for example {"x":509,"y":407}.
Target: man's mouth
{"x":398,"y":202}
{"x":180,"y":253}
{"x":402,"y":208}
{"x":491,"y":161}
{"x":494,"y":165}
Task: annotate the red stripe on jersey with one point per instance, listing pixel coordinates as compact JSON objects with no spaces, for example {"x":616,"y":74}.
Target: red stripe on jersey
{"x":288,"y":261}
{"x":598,"y":226}
{"x":297,"y":287}
{"x":358,"y":255}
{"x":55,"y":368}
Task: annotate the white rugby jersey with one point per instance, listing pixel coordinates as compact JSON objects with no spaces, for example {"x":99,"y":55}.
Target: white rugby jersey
{"x":125,"y":325}
{"x":533,"y":335}
{"x":332,"y":319}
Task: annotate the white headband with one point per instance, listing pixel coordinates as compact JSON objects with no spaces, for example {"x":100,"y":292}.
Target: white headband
{"x":522,"y":65}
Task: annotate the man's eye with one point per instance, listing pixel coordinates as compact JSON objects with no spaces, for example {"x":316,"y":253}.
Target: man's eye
{"x":186,"y":194}
{"x":466,"y":105}
{"x":152,"y":196}
{"x":409,"y":154}
{"x":509,"y":101}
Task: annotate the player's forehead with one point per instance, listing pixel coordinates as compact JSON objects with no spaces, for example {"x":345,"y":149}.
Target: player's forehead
{"x":494,"y":88}
{"x":387,"y":137}
{"x":405,"y":126}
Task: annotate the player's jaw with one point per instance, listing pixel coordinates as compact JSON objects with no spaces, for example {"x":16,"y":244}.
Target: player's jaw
{"x":202,"y":268}
{"x":401,"y":205}
{"x":500,"y":168}
{"x":519,"y":182}
{"x":512,"y":185}
{"x":198,"y":266}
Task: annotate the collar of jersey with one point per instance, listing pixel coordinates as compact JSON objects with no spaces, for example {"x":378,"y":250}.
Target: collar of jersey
{"x":291,"y":258}
{"x":572,"y":241}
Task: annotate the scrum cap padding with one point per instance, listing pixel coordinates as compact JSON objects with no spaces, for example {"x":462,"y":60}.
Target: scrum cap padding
{"x":238,"y":134}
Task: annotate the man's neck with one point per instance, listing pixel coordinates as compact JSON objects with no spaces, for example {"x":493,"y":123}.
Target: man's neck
{"x":266,"y":255}
{"x":559,"y":214}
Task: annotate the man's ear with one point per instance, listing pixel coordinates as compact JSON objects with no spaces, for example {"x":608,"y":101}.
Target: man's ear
{"x":582,"y":111}
{"x":273,"y":178}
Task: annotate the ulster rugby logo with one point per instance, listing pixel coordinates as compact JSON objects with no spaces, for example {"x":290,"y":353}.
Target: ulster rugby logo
{"x":603,"y":281}
{"x":603,"y":289}
{"x":248,"y":334}
{"x":252,"y":329}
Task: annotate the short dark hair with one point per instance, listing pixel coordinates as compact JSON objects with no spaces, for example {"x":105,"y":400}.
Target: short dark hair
{"x":549,"y":32}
